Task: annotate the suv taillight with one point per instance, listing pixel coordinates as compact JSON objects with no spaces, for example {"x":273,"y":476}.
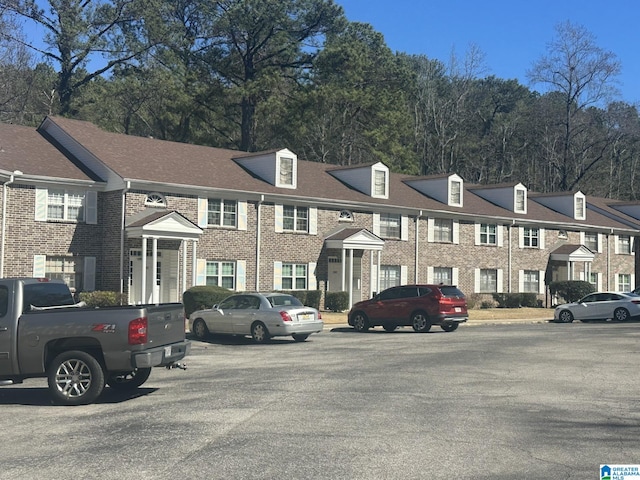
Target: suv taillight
{"x":138,"y":331}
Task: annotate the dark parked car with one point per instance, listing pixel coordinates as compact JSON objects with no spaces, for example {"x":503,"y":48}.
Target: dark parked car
{"x":418,"y":306}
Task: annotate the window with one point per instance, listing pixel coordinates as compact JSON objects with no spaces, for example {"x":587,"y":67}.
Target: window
{"x":222,"y":213}
{"x":389,"y":276}
{"x":579,"y":208}
{"x":294,"y":276}
{"x":379,"y":183}
{"x":443,"y":230}
{"x":63,"y":205}
{"x":531,"y":237}
{"x":221,"y":274}
{"x":295,"y":219}
{"x":593,"y":280}
{"x":531,"y":281}
{"x":286,"y":171}
{"x":68,"y":269}
{"x":390,"y":225}
{"x":488,"y":234}
{"x":624,"y":244}
{"x":624,"y":282}
{"x":488,"y":280}
{"x":456,"y":192}
{"x":520,"y":201}
{"x":591,"y":241}
{"x":345,"y":216}
{"x":155,"y":200}
{"x":443,"y":275}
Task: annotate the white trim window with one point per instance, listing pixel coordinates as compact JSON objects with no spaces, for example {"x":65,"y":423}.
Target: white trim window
{"x":488,"y":280}
{"x":623,"y":245}
{"x":222,"y":213}
{"x":379,"y":183}
{"x":390,"y":225}
{"x":156,"y":200}
{"x":294,"y":276}
{"x":69,"y":269}
{"x":591,"y":241}
{"x":531,"y":237}
{"x":443,"y":275}
{"x":531,"y":281}
{"x":455,"y":193}
{"x":390,"y":276}
{"x":65,"y":206}
{"x":286,"y":171}
{"x":624,"y":282}
{"x":520,"y":202}
{"x":443,"y":230}
{"x":488,"y":234}
{"x":295,"y":219}
{"x":221,"y":274}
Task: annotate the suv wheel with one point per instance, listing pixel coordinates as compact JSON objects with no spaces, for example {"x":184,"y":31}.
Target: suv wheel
{"x":420,"y":322}
{"x":360,"y":322}
{"x":449,"y":327}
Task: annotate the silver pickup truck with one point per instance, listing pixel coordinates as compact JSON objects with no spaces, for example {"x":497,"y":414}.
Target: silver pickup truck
{"x":44,"y":333}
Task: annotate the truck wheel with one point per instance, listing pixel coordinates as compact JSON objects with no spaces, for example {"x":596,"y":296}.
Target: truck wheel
{"x":130,"y":380}
{"x":75,"y":378}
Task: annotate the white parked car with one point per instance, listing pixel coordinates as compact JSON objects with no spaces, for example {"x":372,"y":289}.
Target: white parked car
{"x":600,"y":306}
{"x":261,"y":315}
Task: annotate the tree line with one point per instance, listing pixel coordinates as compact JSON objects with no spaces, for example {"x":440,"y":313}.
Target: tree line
{"x":261,"y":74}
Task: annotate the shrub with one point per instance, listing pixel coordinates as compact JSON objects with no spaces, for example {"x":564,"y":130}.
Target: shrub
{"x":336,"y":301}
{"x":203,"y":296}
{"x":516,"y":300}
{"x":571,"y":290}
{"x":102,"y":298}
{"x":310,"y":298}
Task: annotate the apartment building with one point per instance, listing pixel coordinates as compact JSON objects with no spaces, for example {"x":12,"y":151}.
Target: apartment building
{"x":151,"y":218}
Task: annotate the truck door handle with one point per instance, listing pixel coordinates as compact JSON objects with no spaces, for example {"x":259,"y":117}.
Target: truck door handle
{"x":3,"y":329}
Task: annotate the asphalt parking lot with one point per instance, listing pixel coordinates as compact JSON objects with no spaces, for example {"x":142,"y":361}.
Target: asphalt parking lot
{"x":521,"y":401}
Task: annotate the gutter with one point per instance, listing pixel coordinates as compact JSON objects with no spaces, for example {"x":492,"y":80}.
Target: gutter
{"x":122,"y":227}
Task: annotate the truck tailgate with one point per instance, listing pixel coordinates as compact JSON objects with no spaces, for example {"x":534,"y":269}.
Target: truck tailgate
{"x":165,"y":324}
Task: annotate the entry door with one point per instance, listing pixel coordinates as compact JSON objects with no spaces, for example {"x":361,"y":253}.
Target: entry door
{"x":135,"y":279}
{"x":335,"y":274}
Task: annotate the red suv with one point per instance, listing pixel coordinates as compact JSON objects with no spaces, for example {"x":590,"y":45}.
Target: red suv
{"x":419,"y":306}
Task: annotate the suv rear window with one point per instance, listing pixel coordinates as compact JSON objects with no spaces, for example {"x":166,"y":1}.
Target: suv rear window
{"x":451,"y":292}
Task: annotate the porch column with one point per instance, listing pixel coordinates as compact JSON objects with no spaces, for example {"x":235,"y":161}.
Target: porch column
{"x":143,"y":277}
{"x":378,"y":279}
{"x":184,"y":266}
{"x":194,"y":260}
{"x":344,"y":268}
{"x":154,"y":271}
{"x":350,"y":277}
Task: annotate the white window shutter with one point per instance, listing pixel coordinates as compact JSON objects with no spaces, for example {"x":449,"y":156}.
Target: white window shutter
{"x":477,"y":233}
{"x":279,"y":222}
{"x":404,"y":228}
{"x":312,"y":283}
{"x":277,"y":275}
{"x":429,"y":274}
{"x":242,"y":215}
{"x":499,"y":282}
{"x":633,"y":281}
{"x":599,"y":275}
{"x":201,"y":271}
{"x":582,"y":238}
{"x":520,"y":237}
{"x":499,"y":235}
{"x":89,"y":274}
{"x":41,"y":204}
{"x":313,"y":221}
{"x":476,"y":280}
{"x":456,"y":232}
{"x":520,"y":281}
{"x":91,"y":204}
{"x":541,"y":286}
{"x":241,"y":275}
{"x":541,"y":238}
{"x":455,"y":275}
{"x":376,"y":224}
{"x":203,"y":206}
{"x":600,"y":242}
{"x":430,"y":230}
{"x":404,"y":274}
{"x":616,"y":250}
{"x":39,"y":263}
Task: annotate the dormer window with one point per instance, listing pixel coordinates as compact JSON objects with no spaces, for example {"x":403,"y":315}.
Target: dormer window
{"x":155,"y":200}
{"x":579,"y":207}
{"x":455,"y":192}
{"x":286,"y":171}
{"x":520,"y":201}
{"x":379,"y":183}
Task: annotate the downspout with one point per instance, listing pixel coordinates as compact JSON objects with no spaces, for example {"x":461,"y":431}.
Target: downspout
{"x":510,"y":254}
{"x":258,"y":241}
{"x":609,"y":258}
{"x":4,"y":219}
{"x":122,"y":227}
{"x":417,"y":252}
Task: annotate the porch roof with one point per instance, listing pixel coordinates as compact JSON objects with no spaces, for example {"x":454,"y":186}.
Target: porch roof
{"x":572,"y":253}
{"x":167,"y":224}
{"x":354,"y":239}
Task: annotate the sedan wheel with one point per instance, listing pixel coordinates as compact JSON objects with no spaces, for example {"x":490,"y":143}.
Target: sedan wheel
{"x":200,"y":329}
{"x":420,"y":322}
{"x":300,"y":337}
{"x":621,"y":315}
{"x":360,"y":322}
{"x":566,"y":316}
{"x":259,"y":332}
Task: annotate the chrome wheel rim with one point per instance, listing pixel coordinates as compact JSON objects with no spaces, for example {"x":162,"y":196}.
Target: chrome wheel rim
{"x":73,"y":378}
